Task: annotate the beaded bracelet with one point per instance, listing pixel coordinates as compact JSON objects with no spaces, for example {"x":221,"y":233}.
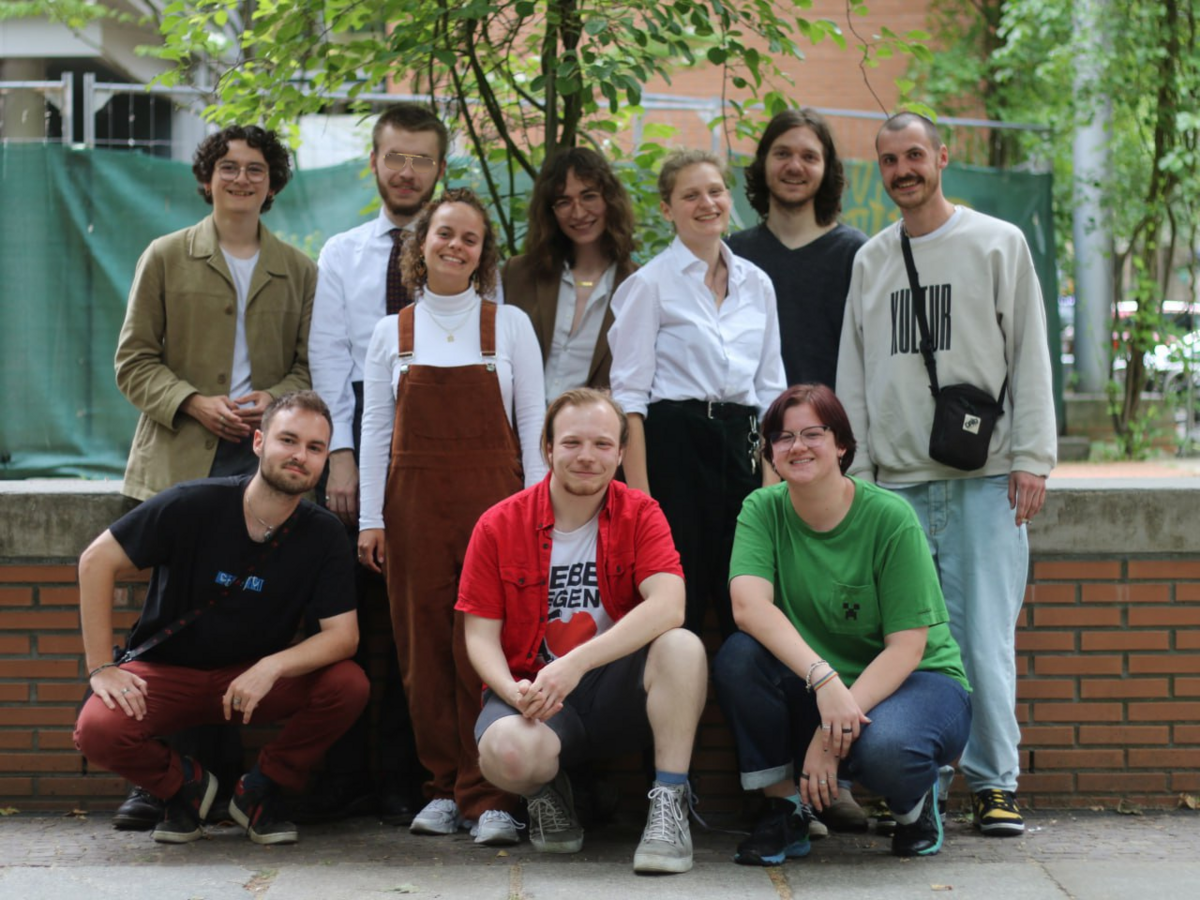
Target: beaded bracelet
{"x":100,"y":668}
{"x":808,"y":685}
{"x":832,"y":674}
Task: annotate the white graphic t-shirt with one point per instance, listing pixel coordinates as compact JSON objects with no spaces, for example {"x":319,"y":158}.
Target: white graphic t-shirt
{"x":575,"y":612}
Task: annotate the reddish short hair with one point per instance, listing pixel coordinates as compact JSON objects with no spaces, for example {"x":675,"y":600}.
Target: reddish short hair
{"x":829,"y":410}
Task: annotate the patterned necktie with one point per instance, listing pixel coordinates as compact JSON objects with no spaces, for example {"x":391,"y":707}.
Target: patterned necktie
{"x":397,"y":294}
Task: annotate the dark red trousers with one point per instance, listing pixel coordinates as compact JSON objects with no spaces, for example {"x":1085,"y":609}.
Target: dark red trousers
{"x":319,"y":707}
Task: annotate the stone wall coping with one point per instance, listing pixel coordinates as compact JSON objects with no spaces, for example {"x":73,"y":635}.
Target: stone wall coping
{"x":51,"y":520}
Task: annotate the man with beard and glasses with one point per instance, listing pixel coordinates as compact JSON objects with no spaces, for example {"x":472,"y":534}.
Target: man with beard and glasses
{"x":358,"y":283}
{"x":238,"y":564}
{"x":987,"y":324}
{"x":795,"y":184}
{"x":573,"y":598}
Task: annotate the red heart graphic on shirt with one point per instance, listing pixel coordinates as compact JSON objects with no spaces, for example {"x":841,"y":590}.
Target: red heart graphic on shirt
{"x":563,"y":637}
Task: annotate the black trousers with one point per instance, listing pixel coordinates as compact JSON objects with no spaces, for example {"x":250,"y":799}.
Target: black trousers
{"x":349,"y":758}
{"x":701,"y":460}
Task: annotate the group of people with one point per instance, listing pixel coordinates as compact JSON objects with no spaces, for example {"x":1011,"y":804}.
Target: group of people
{"x":552,"y":468}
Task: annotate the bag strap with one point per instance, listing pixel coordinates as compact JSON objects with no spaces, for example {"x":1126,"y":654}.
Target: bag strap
{"x":918,"y":302}
{"x":918,"y":299}
{"x":226,"y":588}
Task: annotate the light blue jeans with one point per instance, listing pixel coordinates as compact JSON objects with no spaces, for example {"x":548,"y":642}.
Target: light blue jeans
{"x":982,"y":559}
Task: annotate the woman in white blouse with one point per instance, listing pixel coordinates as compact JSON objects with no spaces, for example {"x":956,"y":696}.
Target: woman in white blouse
{"x":452,"y":412}
{"x":695,"y":346}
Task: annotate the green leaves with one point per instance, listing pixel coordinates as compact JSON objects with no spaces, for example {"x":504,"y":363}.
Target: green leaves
{"x":524,"y":76}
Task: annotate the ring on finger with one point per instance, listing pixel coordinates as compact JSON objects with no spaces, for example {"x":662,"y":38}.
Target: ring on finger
{"x":822,"y":781}
{"x":826,"y":727}
{"x":126,"y":690}
{"x":847,"y":731}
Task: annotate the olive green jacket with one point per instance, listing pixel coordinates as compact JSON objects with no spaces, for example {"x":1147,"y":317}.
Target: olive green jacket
{"x":178,"y":337}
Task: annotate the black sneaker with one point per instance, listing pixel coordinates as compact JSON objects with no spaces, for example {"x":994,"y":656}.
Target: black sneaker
{"x":924,"y":836}
{"x":140,"y":811}
{"x":996,"y":813}
{"x":782,"y":833}
{"x":260,"y":813}
{"x":183,"y":813}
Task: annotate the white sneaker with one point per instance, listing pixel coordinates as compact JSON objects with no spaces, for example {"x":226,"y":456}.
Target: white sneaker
{"x":438,"y":817}
{"x":496,"y":829}
{"x":666,"y":844}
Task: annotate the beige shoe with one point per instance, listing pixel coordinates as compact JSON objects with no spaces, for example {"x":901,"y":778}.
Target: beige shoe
{"x":844,"y":813}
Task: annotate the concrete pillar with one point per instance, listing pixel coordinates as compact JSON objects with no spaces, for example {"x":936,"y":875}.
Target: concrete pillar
{"x":1091,"y":229}
{"x":22,"y":111}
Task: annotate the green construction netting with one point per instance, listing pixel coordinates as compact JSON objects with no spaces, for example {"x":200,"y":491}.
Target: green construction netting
{"x":74,"y":222}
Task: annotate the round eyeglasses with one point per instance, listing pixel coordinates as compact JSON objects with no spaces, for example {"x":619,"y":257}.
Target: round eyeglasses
{"x":229,"y":171}
{"x":589,"y":201}
{"x":810,"y":437}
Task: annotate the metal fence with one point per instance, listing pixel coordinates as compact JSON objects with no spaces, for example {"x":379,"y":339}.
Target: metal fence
{"x":148,"y":118}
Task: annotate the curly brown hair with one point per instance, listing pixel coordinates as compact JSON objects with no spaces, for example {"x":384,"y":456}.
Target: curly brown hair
{"x":545,"y":242}
{"x":214,"y":147}
{"x":828,"y":200}
{"x":412,"y":260}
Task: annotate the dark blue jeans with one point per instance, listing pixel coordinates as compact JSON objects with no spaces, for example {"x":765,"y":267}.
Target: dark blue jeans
{"x":923,"y":725}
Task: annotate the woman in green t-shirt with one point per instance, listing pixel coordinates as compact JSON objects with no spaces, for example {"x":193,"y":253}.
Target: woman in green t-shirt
{"x":844,"y":638}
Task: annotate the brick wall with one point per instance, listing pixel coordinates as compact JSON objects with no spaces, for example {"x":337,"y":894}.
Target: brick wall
{"x":1109,"y":693}
{"x":1109,"y":656}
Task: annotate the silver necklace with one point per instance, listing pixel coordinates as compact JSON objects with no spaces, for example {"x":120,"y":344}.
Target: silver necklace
{"x":270,"y":529}
{"x":457,"y":325}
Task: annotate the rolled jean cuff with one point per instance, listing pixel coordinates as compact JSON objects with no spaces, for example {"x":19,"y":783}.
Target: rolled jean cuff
{"x":752,"y":781}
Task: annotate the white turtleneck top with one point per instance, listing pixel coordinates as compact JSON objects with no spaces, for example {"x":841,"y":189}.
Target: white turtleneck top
{"x":518,"y":367}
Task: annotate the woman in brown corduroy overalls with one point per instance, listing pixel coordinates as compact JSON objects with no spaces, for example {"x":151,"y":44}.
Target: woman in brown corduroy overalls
{"x":440,"y":381}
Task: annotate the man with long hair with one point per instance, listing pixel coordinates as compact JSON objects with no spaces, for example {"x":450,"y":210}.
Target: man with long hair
{"x":795,"y":184}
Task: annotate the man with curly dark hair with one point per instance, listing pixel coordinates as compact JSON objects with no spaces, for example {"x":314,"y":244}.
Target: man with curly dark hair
{"x":795,"y":184}
{"x":578,"y":249}
{"x":217,"y":322}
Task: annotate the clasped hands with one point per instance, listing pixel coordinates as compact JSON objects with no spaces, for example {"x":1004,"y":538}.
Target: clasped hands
{"x":543,"y":697}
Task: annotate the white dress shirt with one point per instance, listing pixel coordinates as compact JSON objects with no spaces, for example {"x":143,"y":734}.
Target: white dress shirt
{"x":351,"y":298}
{"x":670,"y":340}
{"x":518,"y":367}
{"x":569,"y":361}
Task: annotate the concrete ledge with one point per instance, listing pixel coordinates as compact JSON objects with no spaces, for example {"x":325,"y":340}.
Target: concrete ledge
{"x":47,"y":519}
{"x":50,"y":520}
{"x":1119,"y":515}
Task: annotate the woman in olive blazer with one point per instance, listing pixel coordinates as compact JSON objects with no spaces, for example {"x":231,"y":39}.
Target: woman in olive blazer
{"x":578,"y":249}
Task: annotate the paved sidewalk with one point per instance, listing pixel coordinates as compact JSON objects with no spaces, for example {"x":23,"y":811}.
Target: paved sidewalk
{"x":1084,"y":855}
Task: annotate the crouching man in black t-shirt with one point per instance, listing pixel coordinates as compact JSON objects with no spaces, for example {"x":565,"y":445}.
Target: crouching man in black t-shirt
{"x":238,"y":564}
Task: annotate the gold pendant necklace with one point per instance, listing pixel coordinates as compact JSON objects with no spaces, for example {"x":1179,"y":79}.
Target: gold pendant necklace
{"x":450,"y":331}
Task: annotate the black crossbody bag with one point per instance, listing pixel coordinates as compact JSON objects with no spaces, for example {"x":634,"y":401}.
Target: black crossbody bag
{"x":964,"y":416}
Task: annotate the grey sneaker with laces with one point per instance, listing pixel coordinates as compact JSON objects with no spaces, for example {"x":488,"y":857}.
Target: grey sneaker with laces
{"x":496,"y":829}
{"x":553,"y":827}
{"x":667,"y":840}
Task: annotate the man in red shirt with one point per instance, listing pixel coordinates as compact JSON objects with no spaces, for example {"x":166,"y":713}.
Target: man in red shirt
{"x":574,"y":604}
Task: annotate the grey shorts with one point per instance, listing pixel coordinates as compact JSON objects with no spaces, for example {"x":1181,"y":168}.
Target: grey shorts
{"x":604,"y":716}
